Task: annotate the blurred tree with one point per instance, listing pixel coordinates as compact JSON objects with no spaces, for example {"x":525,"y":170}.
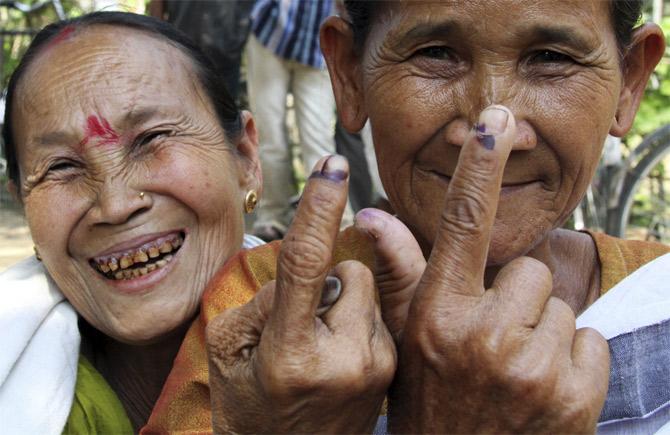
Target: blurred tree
{"x":655,"y":107}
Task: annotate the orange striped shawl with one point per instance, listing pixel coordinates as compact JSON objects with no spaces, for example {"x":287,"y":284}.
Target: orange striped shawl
{"x":184,"y":402}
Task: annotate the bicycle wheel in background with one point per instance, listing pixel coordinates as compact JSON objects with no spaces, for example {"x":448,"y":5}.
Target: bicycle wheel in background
{"x":643,"y":211}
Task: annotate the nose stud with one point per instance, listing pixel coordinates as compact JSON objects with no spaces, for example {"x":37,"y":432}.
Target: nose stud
{"x":141,"y":195}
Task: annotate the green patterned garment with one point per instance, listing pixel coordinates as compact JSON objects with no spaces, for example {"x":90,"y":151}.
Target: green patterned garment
{"x":95,"y":409}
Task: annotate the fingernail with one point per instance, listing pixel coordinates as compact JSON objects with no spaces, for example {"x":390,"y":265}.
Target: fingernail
{"x":492,"y":122}
{"x":330,"y":294}
{"x":335,"y":168}
{"x":370,"y":221}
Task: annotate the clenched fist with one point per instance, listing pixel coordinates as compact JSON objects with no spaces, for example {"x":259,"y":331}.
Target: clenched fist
{"x":308,"y":354}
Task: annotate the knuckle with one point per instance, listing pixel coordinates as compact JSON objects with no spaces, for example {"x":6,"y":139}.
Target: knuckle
{"x":306,"y":256}
{"x":597,"y":344}
{"x":594,"y":338}
{"x":465,"y":212}
{"x":427,"y":339}
{"x":531,"y":266}
{"x":581,"y":411}
{"x":488,"y":341}
{"x":287,"y":379}
{"x":353,"y":272}
{"x":222,"y":336}
{"x":528,"y":381}
{"x":353,"y":268}
{"x":321,"y":205}
{"x":479,"y":168}
{"x":359,"y":375}
{"x":562,"y":312}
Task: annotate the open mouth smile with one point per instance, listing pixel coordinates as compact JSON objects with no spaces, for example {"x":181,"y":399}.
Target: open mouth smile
{"x":139,"y":261}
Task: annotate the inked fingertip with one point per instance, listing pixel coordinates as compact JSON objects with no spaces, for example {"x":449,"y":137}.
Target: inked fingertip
{"x":493,"y":121}
{"x":371,"y":221}
{"x":335,"y":168}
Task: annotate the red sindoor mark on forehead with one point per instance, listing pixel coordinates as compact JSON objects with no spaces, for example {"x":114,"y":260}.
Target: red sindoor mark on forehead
{"x":64,"y":34}
{"x":99,"y":128}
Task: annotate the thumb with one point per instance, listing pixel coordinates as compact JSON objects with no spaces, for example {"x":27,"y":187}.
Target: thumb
{"x":399,"y":264}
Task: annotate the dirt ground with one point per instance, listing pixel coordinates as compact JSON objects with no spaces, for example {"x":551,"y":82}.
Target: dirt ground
{"x":15,"y":241}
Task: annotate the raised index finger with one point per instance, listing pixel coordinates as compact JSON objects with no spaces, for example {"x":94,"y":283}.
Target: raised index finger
{"x":306,"y":252}
{"x":458,"y":258}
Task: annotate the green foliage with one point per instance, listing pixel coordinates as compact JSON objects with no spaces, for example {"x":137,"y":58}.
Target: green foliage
{"x":13,"y":20}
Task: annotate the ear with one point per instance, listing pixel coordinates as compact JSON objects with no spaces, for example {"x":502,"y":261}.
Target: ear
{"x":337,"y":44}
{"x":645,"y":52}
{"x":249,"y":164}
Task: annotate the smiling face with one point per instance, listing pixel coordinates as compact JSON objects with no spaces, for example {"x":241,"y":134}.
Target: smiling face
{"x":429,"y":68}
{"x":101,"y":116}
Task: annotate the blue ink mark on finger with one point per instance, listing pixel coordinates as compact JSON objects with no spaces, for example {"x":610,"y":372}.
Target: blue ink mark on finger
{"x":487,"y":141}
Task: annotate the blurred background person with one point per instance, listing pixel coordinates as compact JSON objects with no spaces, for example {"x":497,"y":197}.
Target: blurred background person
{"x":284,"y":56}
{"x":219,"y":27}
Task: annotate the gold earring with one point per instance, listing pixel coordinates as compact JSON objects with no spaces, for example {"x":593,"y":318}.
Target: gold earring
{"x":141,"y":195}
{"x":37,"y":253}
{"x":250,"y":201}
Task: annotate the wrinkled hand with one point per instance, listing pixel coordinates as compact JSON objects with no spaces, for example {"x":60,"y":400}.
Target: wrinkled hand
{"x":504,"y":359}
{"x":296,"y":358}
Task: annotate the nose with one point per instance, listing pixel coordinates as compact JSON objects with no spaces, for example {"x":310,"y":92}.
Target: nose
{"x":118,"y":203}
{"x":489,"y":88}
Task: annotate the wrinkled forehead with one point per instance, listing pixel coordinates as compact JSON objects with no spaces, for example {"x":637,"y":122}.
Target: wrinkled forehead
{"x":105,"y":68}
{"x":490,"y":19}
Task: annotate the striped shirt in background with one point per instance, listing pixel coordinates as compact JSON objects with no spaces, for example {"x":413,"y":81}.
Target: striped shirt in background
{"x":290,"y":28}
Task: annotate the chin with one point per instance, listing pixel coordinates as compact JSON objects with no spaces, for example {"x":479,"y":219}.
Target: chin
{"x":152,"y":330}
{"x":506,"y":246}
{"x":500,"y":256}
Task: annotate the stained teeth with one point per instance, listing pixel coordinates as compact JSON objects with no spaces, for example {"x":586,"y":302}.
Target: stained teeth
{"x":126,"y":262}
{"x":121,"y":268}
{"x":165,"y":247}
{"x":140,"y":257}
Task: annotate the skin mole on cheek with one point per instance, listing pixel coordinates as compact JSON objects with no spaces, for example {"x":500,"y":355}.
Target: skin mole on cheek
{"x":101,"y":129}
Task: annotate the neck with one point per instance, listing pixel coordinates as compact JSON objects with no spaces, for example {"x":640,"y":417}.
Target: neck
{"x":136,"y":373}
{"x":573,"y":261}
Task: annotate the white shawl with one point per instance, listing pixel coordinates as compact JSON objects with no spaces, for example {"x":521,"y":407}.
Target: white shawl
{"x":39,"y":350}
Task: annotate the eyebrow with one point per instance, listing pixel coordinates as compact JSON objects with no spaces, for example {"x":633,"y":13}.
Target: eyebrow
{"x":556,"y":34}
{"x":550,"y":34}
{"x":138,"y":116}
{"x":444,"y":28}
{"x":55,"y":138}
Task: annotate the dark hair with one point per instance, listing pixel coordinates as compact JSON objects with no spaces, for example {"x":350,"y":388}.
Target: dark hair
{"x":209,"y":77}
{"x":624,"y":14}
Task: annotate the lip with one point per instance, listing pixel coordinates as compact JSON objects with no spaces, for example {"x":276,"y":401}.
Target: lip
{"x":143,"y":284}
{"x":135,"y":243}
{"x":507,"y":188}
